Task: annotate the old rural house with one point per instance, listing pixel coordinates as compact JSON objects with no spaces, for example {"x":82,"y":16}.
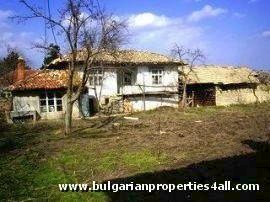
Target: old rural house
{"x":6,"y":80}
{"x":40,"y":94}
{"x":128,"y":81}
{"x":221,"y":86}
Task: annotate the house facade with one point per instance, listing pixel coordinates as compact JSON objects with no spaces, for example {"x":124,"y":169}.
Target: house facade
{"x":40,"y":95}
{"x":5,"y":81}
{"x":131,"y":81}
{"x":143,"y":87}
{"x":128,"y":81}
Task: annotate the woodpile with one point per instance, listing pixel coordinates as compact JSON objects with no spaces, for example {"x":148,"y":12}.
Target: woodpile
{"x":127,"y":106}
{"x":117,"y":105}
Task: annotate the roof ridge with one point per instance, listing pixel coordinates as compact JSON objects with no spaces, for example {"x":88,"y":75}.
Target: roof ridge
{"x":124,"y":56}
{"x":146,"y":51}
{"x":222,"y":66}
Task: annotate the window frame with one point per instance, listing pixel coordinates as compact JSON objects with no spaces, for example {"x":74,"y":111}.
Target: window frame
{"x":131,"y":79}
{"x":96,"y":77}
{"x":47,"y":105}
{"x":159,"y":75}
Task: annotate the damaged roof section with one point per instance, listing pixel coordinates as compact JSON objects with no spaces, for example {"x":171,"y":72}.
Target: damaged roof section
{"x":221,"y":75}
{"x":43,"y":80}
{"x":132,"y":57}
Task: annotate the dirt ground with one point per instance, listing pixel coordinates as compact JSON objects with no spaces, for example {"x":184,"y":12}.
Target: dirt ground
{"x":164,"y":146}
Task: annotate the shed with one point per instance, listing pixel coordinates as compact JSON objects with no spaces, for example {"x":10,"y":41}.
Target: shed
{"x":41,"y":93}
{"x":224,"y":85}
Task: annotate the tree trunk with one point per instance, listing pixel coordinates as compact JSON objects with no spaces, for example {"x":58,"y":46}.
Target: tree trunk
{"x":68,"y":116}
{"x":144,"y":107}
{"x":184,"y":98}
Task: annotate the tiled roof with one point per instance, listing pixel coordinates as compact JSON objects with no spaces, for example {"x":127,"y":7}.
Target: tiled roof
{"x":45,"y":79}
{"x":221,"y":75}
{"x":123,"y":57}
{"x":8,"y":79}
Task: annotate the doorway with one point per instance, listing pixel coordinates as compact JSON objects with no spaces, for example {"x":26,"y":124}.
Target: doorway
{"x":202,"y":94}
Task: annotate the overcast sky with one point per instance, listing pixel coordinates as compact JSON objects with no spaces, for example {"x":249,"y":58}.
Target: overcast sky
{"x":230,"y":32}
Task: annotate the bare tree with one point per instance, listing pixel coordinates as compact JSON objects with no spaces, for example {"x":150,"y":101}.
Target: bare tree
{"x":264,"y":77}
{"x":190,"y":58}
{"x":87,"y":31}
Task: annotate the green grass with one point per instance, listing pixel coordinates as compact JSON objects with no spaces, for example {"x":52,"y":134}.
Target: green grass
{"x":26,"y":179}
{"x":21,"y":178}
{"x":143,"y":161}
{"x":107,"y":161}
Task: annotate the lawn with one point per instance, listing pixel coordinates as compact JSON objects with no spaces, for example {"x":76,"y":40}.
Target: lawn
{"x":164,"y":146}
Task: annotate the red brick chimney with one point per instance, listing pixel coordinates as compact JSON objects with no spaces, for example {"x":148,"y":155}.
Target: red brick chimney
{"x":20,"y":70}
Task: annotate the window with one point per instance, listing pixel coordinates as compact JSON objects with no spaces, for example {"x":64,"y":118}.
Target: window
{"x":50,"y":102}
{"x":58,"y":98}
{"x":50,"y":97}
{"x":43,"y":102}
{"x":127,"y":78}
{"x":157,"y":75}
{"x":95,"y":77}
